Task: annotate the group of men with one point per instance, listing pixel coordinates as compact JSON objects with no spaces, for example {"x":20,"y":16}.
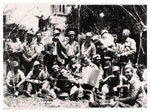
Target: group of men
{"x":61,"y":67}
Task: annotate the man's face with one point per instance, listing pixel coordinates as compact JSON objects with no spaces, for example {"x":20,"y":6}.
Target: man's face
{"x":38,"y":39}
{"x":16,"y":69}
{"x":116,"y":73}
{"x":56,"y":35}
{"x":37,"y":68}
{"x":56,"y":69}
{"x":97,"y":60}
{"x":140,"y":72}
{"x":29,"y":38}
{"x":71,"y":37}
{"x":88,"y":39}
{"x":128,"y":73}
{"x":125,"y":34}
{"x":85,"y":62}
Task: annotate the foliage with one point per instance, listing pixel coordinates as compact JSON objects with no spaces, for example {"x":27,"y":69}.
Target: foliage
{"x":116,"y":18}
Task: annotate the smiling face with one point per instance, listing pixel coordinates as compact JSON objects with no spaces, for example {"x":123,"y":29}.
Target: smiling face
{"x":128,"y":73}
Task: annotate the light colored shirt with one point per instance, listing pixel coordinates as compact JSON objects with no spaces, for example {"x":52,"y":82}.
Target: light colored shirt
{"x":39,"y":47}
{"x":40,"y":76}
{"x":88,"y":52}
{"x":107,"y":40}
{"x":29,"y":49}
{"x":73,"y":49}
{"x":136,"y":93}
{"x":128,"y":47}
{"x":15,"y":46}
{"x":15,"y":78}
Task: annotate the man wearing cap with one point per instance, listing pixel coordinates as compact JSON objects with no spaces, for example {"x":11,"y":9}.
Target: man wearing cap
{"x":72,"y":47}
{"x":136,"y":96}
{"x":55,"y":52}
{"x":88,"y":49}
{"x":36,"y":80}
{"x":15,"y":79}
{"x":127,"y":48}
{"x":97,"y":61}
{"x":29,"y":54}
{"x":59,"y":48}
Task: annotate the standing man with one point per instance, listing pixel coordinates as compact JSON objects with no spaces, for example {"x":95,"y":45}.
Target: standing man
{"x":88,"y":49}
{"x":72,"y":47}
{"x":127,"y":48}
{"x":55,"y":52}
{"x":59,"y":48}
{"x":15,"y":79}
{"x":14,"y":49}
{"x":29,"y":54}
{"x":39,"y":47}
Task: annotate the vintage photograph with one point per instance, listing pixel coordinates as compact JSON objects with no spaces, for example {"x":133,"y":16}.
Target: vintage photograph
{"x":74,"y":56}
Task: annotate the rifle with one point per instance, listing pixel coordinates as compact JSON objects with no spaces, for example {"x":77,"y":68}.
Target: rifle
{"x":121,"y":83}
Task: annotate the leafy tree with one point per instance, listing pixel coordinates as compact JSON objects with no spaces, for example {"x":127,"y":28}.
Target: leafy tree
{"x":115,"y":18}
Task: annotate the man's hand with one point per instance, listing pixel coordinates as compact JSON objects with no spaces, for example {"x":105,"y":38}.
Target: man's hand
{"x":116,"y":98}
{"x":29,"y":59}
{"x":56,"y":39}
{"x":36,"y":81}
{"x":124,"y":54}
{"x":18,"y":85}
{"x":10,"y":86}
{"x":111,"y":76}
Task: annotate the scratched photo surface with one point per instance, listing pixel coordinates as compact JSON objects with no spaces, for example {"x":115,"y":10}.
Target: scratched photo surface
{"x":74,"y":56}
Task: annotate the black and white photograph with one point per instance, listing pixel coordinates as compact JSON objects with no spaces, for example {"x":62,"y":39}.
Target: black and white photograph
{"x":74,"y":56}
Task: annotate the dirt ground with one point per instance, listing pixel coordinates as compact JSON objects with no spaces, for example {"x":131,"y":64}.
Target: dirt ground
{"x":22,"y":102}
{"x":34,"y":102}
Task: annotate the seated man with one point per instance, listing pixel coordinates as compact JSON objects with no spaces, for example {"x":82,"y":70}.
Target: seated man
{"x":111,"y":82}
{"x":136,"y":96}
{"x":37,"y":80}
{"x":74,"y":67}
{"x":141,"y":75}
{"x":62,"y":81}
{"x":15,"y":79}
